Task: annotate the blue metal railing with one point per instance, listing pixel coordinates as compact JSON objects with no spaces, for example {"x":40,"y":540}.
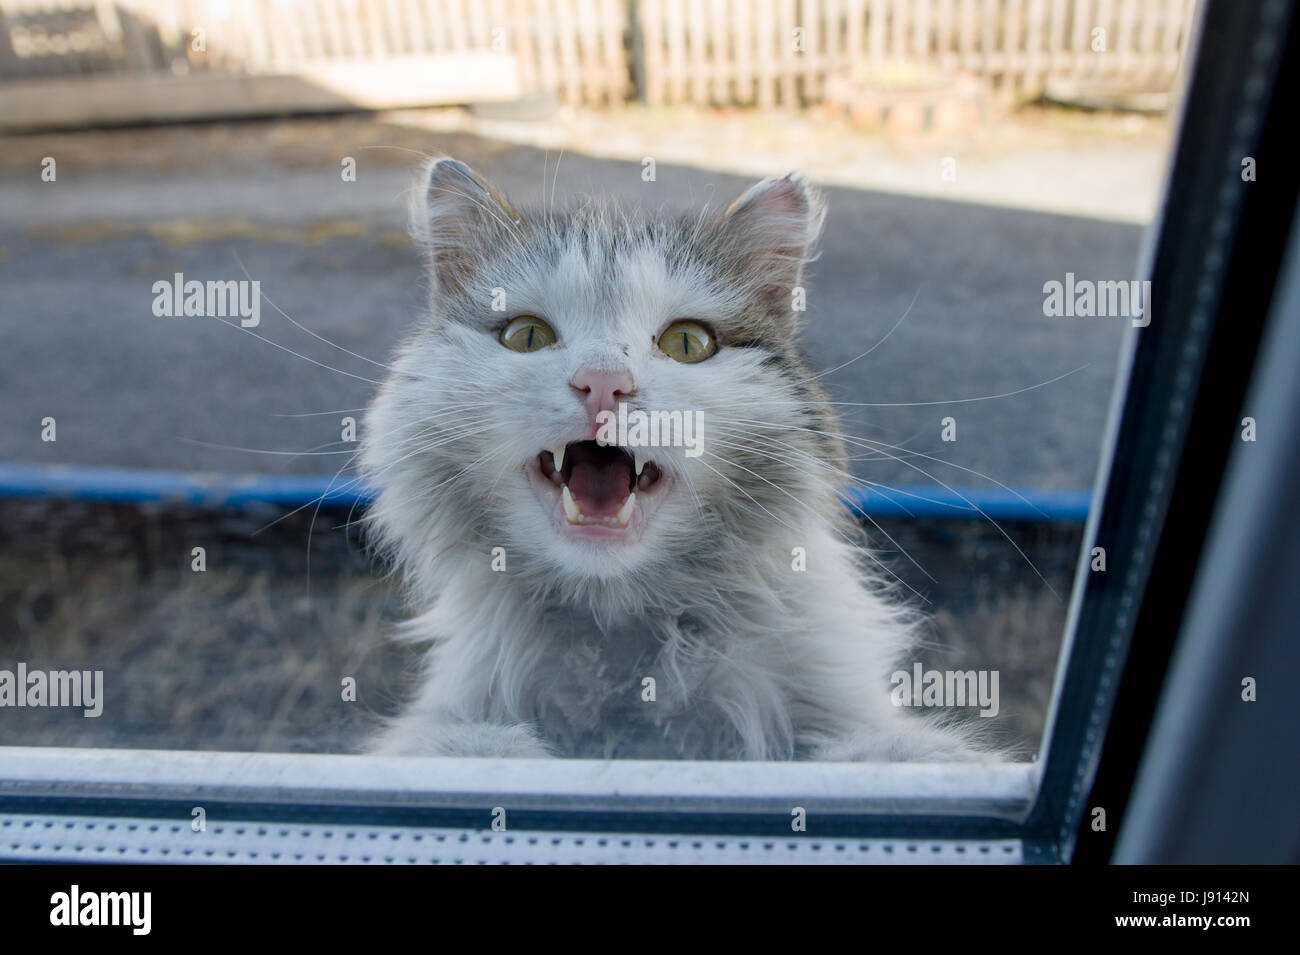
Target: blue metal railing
{"x":203,"y":489}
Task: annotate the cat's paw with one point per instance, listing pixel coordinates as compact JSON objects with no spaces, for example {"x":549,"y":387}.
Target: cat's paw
{"x":413,"y":738}
{"x":910,"y":741}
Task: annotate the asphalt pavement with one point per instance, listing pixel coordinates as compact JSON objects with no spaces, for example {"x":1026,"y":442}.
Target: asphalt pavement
{"x":79,"y":257}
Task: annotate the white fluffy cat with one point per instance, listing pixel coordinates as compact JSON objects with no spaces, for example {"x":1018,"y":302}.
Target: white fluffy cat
{"x":587,"y":600}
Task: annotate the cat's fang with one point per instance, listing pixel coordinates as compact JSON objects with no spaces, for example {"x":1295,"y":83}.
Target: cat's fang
{"x":647,"y":478}
{"x":558,"y":454}
{"x":640,"y":463}
{"x":625,"y":512}
{"x":571,"y":509}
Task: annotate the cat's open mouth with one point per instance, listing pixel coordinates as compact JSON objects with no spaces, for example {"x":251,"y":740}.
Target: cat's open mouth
{"x":598,"y":490}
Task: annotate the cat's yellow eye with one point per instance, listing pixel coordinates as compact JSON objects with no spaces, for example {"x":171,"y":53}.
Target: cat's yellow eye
{"x":687,"y":342}
{"x":527,"y":333}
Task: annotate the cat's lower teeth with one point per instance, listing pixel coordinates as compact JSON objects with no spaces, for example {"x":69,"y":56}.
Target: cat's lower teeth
{"x":573,"y":513}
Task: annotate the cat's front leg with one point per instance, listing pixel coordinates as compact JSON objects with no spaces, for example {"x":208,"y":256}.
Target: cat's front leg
{"x":908,"y":739}
{"x":417,"y":734}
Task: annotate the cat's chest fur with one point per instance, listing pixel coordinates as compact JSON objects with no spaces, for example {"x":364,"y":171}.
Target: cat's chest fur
{"x":618,"y":688}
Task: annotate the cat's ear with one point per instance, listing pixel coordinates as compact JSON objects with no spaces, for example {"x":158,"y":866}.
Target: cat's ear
{"x":771,"y":231}
{"x":458,"y":218}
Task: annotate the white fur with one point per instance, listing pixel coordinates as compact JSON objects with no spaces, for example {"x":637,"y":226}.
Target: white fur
{"x":751,"y":659}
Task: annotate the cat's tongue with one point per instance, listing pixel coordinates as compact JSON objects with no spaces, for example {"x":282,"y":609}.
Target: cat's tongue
{"x":599,"y":480}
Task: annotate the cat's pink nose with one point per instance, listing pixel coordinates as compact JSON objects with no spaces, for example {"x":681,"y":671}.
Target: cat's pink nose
{"x":602,"y":390}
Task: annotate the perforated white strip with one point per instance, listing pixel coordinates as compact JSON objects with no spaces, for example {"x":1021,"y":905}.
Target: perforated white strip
{"x":81,"y":839}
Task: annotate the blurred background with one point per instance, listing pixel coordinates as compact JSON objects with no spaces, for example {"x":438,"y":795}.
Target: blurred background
{"x":972,"y":150}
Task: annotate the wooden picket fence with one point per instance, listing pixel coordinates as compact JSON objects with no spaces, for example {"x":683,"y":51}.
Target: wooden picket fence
{"x":781,"y":51}
{"x":588,"y":52}
{"x":573,"y":48}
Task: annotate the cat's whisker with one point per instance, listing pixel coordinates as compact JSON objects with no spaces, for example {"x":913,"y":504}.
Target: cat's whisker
{"x":310,"y":452}
{"x":912,"y":437}
{"x":880,"y":456}
{"x":352,"y":483}
{"x":864,"y":551}
{"x":833,"y":489}
{"x":302,"y":507}
{"x":951,"y":464}
{"x":836,"y":490}
{"x":842,"y":476}
{"x":884,"y":492}
{"x":689,"y":480}
{"x":313,"y":361}
{"x":546,"y":155}
{"x":907,"y":311}
{"x":424,"y":492}
{"x":311,"y":527}
{"x":975,"y":507}
{"x":554,"y":178}
{"x":428,"y":157}
{"x":304,"y":328}
{"x":431,"y":440}
{"x":701,"y":460}
{"x":955,"y":401}
{"x":786,"y":447}
{"x":348,"y":522}
{"x":315,"y":414}
{"x":700,"y":221}
{"x":869,"y":444}
{"x":346,"y":526}
{"x":320,"y":498}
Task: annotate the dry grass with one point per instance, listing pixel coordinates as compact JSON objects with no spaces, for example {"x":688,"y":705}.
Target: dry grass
{"x":243,"y":657}
{"x":237,"y":657}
